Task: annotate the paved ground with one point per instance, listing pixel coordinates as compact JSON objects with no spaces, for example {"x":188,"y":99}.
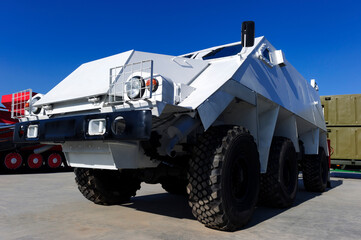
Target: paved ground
{"x":49,"y":206}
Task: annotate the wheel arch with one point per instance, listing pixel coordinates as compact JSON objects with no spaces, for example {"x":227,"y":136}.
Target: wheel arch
{"x":266,"y":120}
{"x":235,"y":104}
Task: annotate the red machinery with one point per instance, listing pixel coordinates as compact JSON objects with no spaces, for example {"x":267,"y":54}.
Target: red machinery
{"x":22,"y":156}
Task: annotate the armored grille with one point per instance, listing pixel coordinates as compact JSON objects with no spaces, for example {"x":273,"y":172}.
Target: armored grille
{"x":119,"y":78}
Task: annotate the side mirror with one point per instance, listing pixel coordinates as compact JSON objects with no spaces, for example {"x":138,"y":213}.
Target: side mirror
{"x":247,"y":34}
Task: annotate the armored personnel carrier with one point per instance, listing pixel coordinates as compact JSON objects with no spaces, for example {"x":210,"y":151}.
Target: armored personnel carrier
{"x":227,"y":125}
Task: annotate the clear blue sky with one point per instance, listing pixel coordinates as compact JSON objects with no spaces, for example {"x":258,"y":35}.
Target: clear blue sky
{"x":41,"y":42}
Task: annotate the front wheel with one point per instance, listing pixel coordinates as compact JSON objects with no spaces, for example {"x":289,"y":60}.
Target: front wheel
{"x":224,"y":178}
{"x":106,"y":187}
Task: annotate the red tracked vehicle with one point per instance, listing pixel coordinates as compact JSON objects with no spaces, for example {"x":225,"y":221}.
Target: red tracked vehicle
{"x":23,"y":157}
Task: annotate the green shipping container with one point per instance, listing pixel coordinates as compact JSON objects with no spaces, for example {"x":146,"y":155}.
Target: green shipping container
{"x":343,"y":120}
{"x":346,"y":142}
{"x":342,"y":110}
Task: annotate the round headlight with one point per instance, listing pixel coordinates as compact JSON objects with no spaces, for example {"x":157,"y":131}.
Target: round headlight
{"x":135,"y":87}
{"x":35,"y":110}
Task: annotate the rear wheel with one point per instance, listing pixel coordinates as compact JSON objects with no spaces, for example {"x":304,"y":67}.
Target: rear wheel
{"x":279,"y":184}
{"x":315,"y":171}
{"x":224,"y":178}
{"x":106,"y":187}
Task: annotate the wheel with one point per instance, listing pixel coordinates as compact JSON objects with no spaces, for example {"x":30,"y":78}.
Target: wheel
{"x":35,"y":161}
{"x":224,"y":178}
{"x":13,"y":161}
{"x":106,"y":187}
{"x":54,"y":160}
{"x":315,"y":170}
{"x":279,"y":184}
{"x":174,"y":185}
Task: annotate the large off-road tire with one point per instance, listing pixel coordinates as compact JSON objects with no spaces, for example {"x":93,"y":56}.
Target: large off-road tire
{"x":315,"y":171}
{"x":279,"y":184}
{"x":106,"y":187}
{"x":224,"y":178}
{"x":174,"y":185}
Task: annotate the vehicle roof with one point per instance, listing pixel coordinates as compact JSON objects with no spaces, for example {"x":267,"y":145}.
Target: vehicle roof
{"x":207,"y":50}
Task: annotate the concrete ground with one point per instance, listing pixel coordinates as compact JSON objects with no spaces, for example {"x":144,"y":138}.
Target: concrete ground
{"x":49,"y":206}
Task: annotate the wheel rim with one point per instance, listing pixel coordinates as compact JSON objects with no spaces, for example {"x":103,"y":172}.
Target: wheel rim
{"x":289,"y":174}
{"x":54,"y":160}
{"x":239,"y":180}
{"x":35,"y":161}
{"x":287,"y":177}
{"x":13,"y":161}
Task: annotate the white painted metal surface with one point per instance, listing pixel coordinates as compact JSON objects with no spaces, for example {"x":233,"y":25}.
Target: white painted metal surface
{"x":90,"y":79}
{"x":106,"y":155}
{"x":255,"y":87}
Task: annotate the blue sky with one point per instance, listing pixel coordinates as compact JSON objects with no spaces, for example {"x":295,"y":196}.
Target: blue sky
{"x":41,"y":42}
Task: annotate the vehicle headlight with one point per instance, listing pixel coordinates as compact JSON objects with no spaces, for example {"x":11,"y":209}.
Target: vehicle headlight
{"x":97,"y":127}
{"x":135,"y":87}
{"x":154,"y":84}
{"x":33,"y":131}
{"x":35,"y":110}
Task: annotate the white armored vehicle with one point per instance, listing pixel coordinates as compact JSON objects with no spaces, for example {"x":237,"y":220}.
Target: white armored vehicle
{"x":229,"y":125}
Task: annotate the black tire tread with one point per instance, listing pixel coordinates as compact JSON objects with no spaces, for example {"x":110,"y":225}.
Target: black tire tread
{"x":106,"y":187}
{"x":311,"y":171}
{"x":204,"y":177}
{"x":271,"y":193}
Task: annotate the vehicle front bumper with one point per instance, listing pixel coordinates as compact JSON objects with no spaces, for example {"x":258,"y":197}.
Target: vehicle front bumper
{"x":75,"y":128}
